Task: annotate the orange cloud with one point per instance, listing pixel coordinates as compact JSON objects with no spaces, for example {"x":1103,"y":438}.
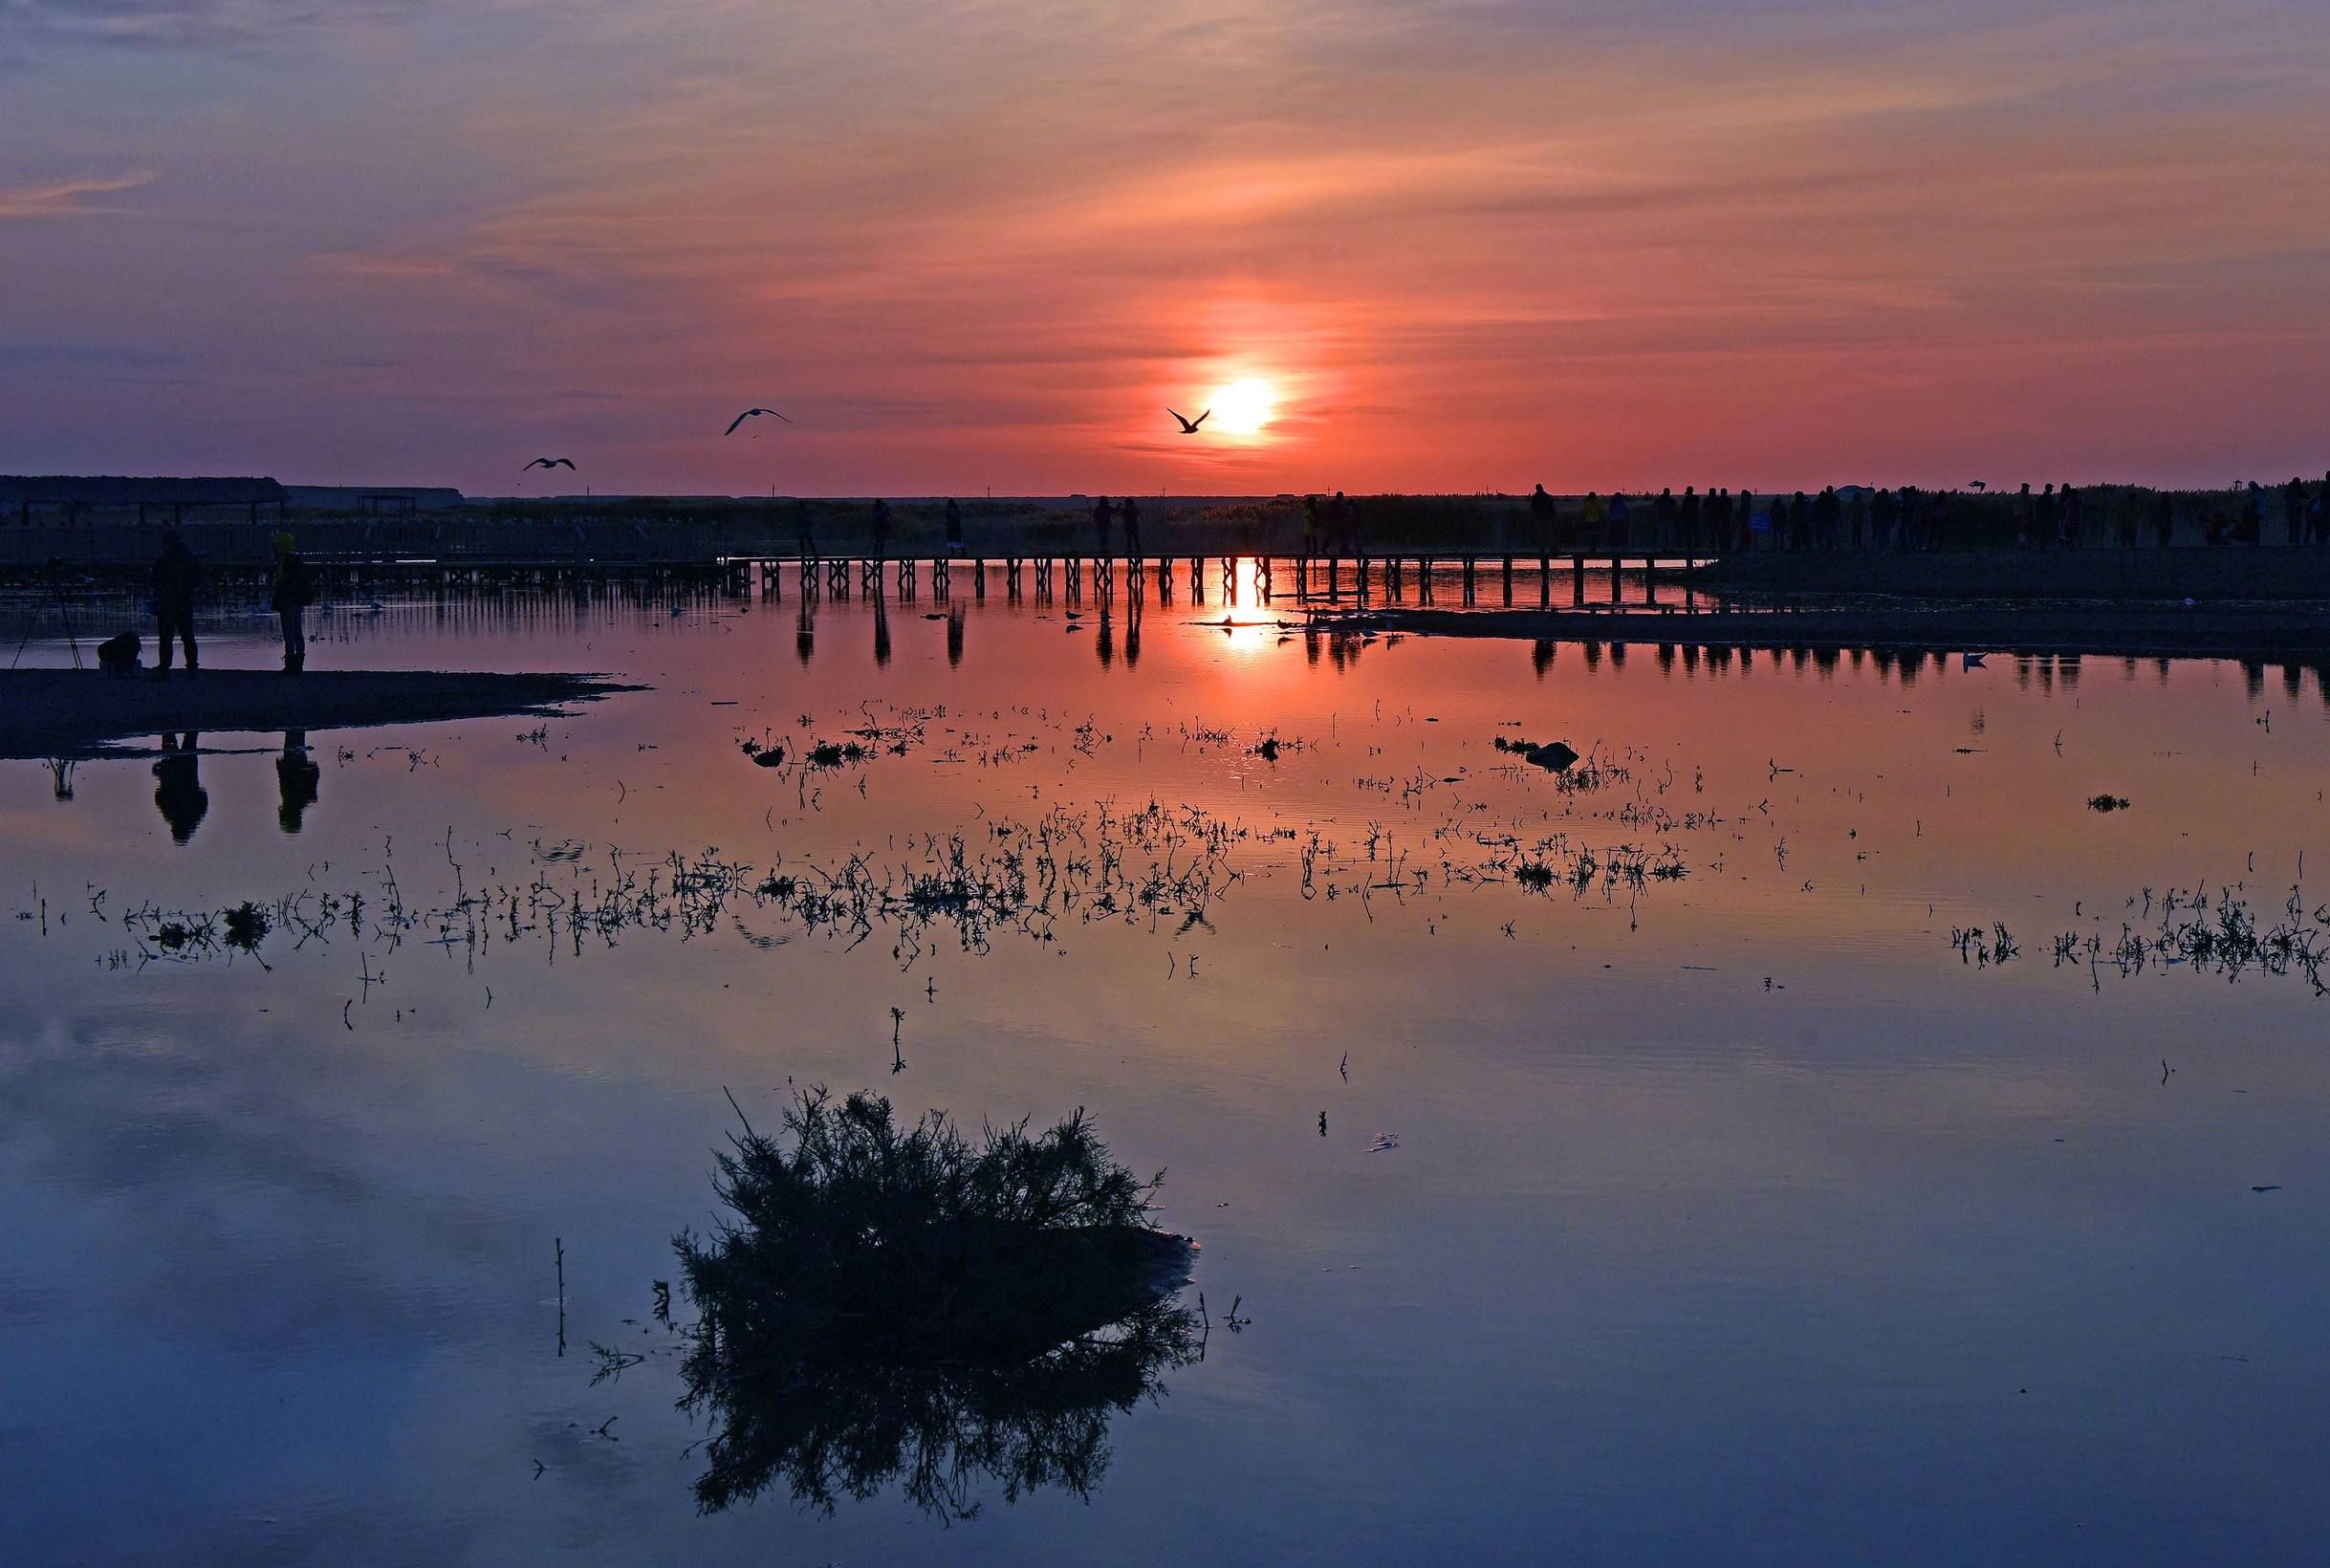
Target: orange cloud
{"x":67,"y":198}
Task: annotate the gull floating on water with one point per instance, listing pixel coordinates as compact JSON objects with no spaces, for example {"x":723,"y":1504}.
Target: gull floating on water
{"x":550,"y":462}
{"x":748,"y":414}
{"x":1971,"y":661}
{"x":1189,"y":426}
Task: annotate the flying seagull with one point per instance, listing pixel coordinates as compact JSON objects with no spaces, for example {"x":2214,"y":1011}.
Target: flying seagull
{"x":748,"y":414}
{"x":550,"y":462}
{"x":1189,"y":426}
{"x":1976,"y":484}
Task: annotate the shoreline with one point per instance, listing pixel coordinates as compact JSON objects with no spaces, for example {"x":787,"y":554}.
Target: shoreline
{"x":2200,"y":632}
{"x":77,"y":714}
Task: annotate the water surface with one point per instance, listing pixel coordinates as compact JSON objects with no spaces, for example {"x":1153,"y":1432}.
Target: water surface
{"x":1736,"y":1213}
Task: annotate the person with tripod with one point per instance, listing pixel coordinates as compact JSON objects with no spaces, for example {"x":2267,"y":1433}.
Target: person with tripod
{"x":176,"y":576}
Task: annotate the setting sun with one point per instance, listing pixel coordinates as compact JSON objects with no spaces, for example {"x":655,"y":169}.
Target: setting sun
{"x":1244,"y":407}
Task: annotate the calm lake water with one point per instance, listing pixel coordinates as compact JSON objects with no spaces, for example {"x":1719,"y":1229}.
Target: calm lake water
{"x":1737,"y":1211}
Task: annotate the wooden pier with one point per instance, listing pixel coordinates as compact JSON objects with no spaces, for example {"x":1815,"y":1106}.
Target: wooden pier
{"x":398,"y":550}
{"x":1631,"y":578}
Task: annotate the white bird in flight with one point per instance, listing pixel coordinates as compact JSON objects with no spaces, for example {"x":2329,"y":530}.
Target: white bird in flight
{"x":748,"y":414}
{"x":550,"y":462}
{"x":1189,"y":426}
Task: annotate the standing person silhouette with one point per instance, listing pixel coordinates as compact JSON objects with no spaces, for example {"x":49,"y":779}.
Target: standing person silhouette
{"x":1541,"y":513}
{"x":954,"y":528}
{"x":1310,"y":525}
{"x":293,"y":591}
{"x":2164,"y":517}
{"x":1346,"y":520}
{"x":882,"y":529}
{"x":2293,"y":511}
{"x":1102,"y":514}
{"x":175,"y":577}
{"x":1132,"y":526}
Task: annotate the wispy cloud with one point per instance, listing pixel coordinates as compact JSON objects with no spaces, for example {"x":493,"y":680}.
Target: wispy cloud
{"x":993,"y":237}
{"x":191,"y":24}
{"x":68,"y":198}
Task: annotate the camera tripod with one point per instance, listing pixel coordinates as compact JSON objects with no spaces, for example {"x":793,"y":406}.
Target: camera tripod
{"x":55,"y":600}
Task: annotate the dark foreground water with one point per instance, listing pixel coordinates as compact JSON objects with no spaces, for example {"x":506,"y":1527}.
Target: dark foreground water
{"x":1745,"y":1207}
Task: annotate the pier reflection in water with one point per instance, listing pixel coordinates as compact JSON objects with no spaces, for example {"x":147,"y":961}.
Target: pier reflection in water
{"x":1677,"y":1154}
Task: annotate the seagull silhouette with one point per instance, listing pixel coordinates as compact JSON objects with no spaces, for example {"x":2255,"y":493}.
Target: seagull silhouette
{"x":1189,"y":426}
{"x":1976,"y":484}
{"x":550,"y":462}
{"x":748,"y":414}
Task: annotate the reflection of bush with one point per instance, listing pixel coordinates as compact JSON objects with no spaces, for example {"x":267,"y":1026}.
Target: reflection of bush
{"x":898,"y":1304}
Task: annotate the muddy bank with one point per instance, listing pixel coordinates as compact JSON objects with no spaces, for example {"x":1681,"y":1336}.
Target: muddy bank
{"x":78,"y":713}
{"x":2296,"y":632}
{"x":2276,"y":573}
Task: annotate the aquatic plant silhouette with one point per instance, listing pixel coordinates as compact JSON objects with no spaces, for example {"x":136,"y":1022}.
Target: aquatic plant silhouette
{"x":900,"y":1305}
{"x":2220,"y":935}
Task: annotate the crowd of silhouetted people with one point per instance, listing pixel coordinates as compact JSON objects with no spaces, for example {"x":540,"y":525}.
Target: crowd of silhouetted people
{"x":1860,"y":517}
{"x":1837,"y":518}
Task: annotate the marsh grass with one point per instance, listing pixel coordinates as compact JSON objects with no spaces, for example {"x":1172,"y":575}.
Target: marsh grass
{"x":903,"y":1303}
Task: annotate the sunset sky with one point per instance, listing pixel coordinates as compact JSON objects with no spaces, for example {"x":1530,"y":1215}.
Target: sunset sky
{"x":983,"y":244}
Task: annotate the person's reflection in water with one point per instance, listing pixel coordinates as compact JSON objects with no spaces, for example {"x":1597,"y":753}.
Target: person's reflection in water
{"x":178,"y":789}
{"x":805,"y":633}
{"x":1541,"y":655}
{"x":1132,"y":631}
{"x":297,"y":778}
{"x":955,"y":637}
{"x":1106,"y":644}
{"x":881,"y":629}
